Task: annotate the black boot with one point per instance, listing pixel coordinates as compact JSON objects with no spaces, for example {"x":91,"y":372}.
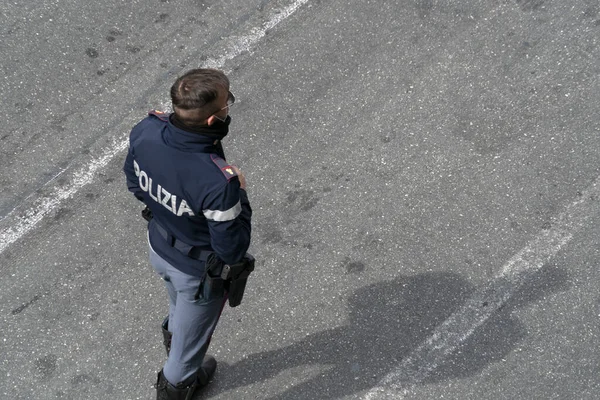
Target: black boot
{"x":166,"y":335}
{"x":207,"y":370}
{"x":166,"y":391}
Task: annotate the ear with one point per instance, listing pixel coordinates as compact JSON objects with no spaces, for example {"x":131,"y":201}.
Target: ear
{"x":211,"y":120}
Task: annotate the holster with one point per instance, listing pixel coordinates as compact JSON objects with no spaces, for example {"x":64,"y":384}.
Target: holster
{"x":235,"y":277}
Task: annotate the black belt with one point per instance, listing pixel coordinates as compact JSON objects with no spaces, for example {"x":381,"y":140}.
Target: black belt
{"x":195,"y":252}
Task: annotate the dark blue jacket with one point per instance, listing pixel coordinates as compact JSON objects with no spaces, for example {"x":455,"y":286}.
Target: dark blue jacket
{"x":193,"y":193}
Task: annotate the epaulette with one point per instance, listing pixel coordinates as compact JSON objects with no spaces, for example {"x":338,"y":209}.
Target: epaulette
{"x":160,"y":115}
{"x":225,"y":168}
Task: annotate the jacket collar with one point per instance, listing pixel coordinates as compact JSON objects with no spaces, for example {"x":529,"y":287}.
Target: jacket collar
{"x":204,"y":140}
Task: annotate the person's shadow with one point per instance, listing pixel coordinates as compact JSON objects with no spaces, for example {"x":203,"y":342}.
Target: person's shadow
{"x":387,"y":321}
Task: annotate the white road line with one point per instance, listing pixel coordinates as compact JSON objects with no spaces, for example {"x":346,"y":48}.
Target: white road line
{"x":451,"y":334}
{"x":46,"y":204}
{"x":246,"y":42}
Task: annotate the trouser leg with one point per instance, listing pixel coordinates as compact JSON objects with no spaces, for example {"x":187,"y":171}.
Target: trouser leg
{"x":193,"y":324}
{"x":191,"y":321}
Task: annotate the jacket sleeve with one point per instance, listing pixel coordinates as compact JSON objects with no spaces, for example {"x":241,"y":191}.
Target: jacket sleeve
{"x":228,"y":214}
{"x":132,"y":176}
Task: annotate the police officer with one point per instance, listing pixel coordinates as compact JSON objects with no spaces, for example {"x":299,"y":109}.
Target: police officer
{"x":200,"y":218}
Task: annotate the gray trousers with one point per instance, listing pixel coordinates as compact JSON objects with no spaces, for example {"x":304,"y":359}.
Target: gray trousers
{"x":191,"y":321}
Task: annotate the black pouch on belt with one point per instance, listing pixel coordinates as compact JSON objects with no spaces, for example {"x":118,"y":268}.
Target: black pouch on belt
{"x":211,"y":285}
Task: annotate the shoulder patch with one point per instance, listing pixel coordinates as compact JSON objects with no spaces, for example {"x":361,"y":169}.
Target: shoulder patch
{"x":160,"y":115}
{"x":225,"y":168}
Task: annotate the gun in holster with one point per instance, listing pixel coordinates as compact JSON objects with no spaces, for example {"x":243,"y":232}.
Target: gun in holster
{"x":235,"y":277}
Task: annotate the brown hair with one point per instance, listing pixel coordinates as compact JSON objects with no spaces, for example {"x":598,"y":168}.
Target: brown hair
{"x":194,"y":93}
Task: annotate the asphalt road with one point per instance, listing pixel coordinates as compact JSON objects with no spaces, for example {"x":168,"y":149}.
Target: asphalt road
{"x":423,"y":174}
